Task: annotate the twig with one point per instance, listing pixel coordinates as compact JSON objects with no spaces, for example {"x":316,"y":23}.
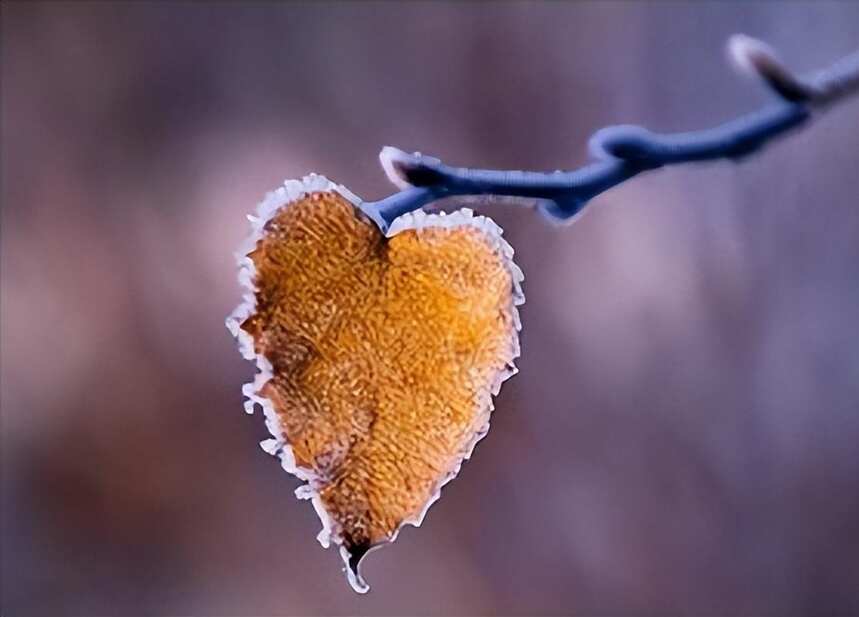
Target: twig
{"x":625,"y":151}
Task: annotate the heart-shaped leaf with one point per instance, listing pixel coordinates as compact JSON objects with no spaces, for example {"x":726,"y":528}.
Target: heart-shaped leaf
{"x":378,"y":355}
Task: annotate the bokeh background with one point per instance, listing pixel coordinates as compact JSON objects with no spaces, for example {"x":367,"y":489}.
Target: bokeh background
{"x":683,"y":437}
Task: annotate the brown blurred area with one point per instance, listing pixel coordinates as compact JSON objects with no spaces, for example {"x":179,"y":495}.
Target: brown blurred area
{"x":682,"y":437}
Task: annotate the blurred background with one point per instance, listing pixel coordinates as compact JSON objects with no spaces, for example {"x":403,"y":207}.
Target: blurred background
{"x":682,"y":437}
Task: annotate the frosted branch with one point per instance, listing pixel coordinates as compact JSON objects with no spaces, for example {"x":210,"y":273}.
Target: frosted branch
{"x":622,"y":152}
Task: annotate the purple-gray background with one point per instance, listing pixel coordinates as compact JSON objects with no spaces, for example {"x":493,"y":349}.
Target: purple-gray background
{"x":682,"y":437}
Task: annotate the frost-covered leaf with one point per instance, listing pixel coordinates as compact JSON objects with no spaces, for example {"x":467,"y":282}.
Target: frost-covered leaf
{"x":378,"y":355}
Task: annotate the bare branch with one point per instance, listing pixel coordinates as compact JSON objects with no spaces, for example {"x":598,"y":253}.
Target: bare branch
{"x":839,"y":81}
{"x":623,"y":152}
